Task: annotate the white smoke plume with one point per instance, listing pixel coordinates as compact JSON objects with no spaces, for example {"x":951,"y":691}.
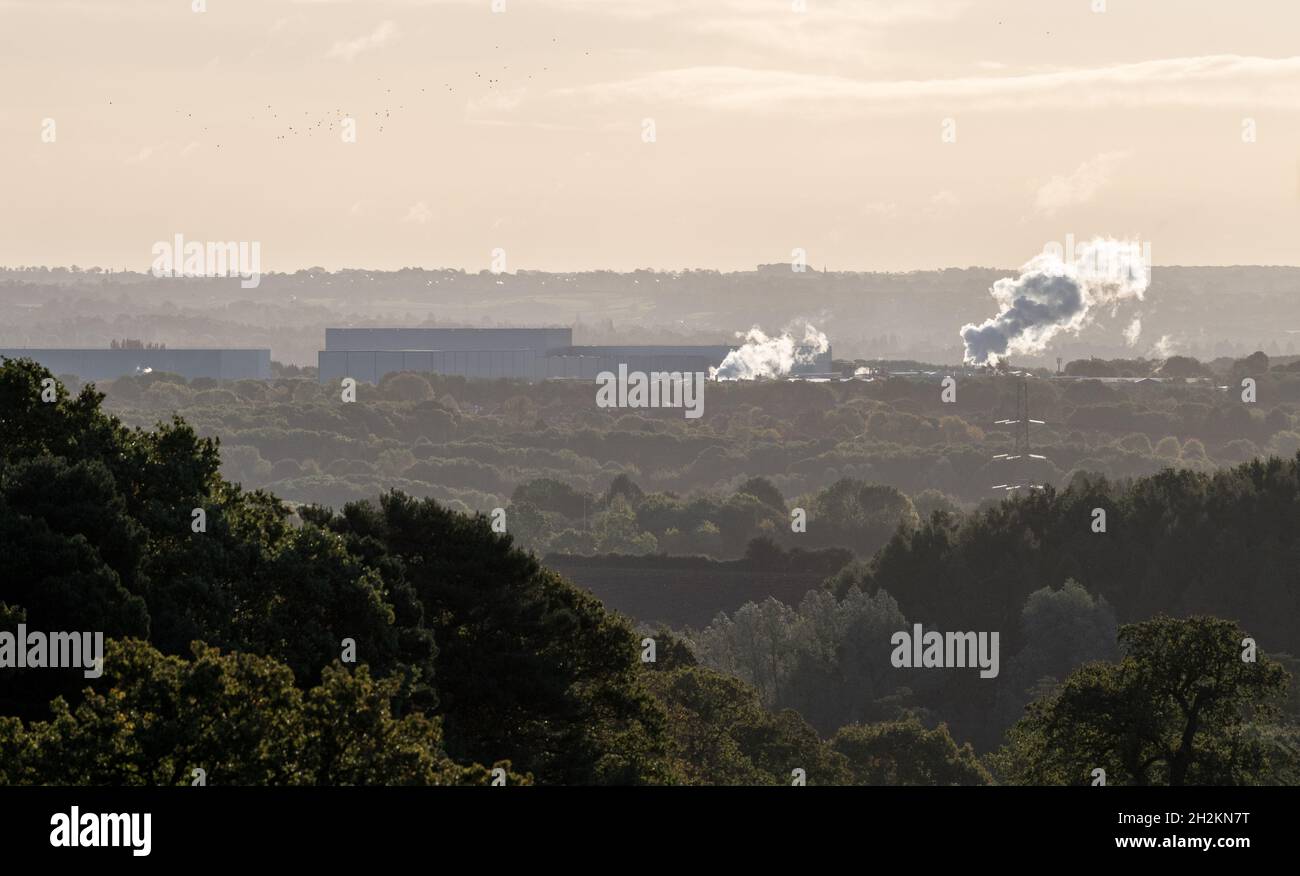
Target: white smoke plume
{"x":1165,"y":347}
{"x":763,"y":356}
{"x":1053,"y":295}
{"x":1134,"y":331}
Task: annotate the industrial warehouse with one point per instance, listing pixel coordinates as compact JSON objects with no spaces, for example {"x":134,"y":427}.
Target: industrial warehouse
{"x":368,"y":354}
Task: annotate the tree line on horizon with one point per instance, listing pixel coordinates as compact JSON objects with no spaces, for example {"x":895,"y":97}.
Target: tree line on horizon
{"x":476,"y":445}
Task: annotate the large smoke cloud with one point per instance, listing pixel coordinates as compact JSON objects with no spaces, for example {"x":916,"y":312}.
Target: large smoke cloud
{"x":762,"y":356}
{"x":1053,"y":295}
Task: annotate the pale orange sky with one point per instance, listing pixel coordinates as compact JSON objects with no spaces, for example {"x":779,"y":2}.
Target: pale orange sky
{"x":774,"y":128}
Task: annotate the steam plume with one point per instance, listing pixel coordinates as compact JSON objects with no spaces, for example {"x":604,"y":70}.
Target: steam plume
{"x":762,"y":356}
{"x":1134,"y":331}
{"x":1052,"y":295}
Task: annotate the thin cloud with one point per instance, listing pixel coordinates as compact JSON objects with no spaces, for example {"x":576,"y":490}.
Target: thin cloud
{"x":348,"y":50}
{"x":862,"y":11}
{"x":850,"y":29}
{"x":419,"y":213}
{"x":840,"y":29}
{"x":1079,"y":187}
{"x":1224,"y":81}
{"x":942,"y":205}
{"x":499,"y":102}
{"x":883,"y":209}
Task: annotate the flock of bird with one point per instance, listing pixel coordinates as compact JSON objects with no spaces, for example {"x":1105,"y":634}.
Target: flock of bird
{"x":331,"y":122}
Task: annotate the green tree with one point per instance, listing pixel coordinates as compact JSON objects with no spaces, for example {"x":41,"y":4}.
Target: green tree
{"x":850,"y":513}
{"x":615,"y":530}
{"x":1062,"y":629}
{"x":101,"y":520}
{"x":906,"y":753}
{"x":530,"y":668}
{"x":721,"y":735}
{"x":1175,"y":710}
{"x":548,"y":494}
{"x":152,"y":719}
{"x":764,"y":491}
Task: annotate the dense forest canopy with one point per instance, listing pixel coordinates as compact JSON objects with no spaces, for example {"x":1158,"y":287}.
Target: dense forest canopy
{"x":709,"y":486}
{"x":395,"y":638}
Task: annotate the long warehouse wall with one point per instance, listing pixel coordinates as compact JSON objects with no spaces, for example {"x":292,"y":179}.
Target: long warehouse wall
{"x":585,"y":363}
{"x":370,"y":366}
{"x":459,"y":339}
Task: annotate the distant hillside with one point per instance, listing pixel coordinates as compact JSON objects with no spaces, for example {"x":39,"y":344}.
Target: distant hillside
{"x":1206,"y":312}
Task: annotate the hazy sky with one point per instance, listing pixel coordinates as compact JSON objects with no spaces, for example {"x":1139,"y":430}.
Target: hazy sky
{"x":525,"y":130}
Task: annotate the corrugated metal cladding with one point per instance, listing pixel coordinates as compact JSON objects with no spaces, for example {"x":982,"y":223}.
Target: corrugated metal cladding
{"x":99,"y":364}
{"x":541,"y":340}
{"x":523,"y":354}
{"x":714,"y":352}
{"x":370,"y":366}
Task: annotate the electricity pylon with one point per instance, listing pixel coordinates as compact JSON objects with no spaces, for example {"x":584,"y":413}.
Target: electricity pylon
{"x":1021,"y":449}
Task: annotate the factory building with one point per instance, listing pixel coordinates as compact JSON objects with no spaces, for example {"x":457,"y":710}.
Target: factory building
{"x":519,"y":353}
{"x":541,"y":340}
{"x":370,"y":366}
{"x":106,"y":364}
